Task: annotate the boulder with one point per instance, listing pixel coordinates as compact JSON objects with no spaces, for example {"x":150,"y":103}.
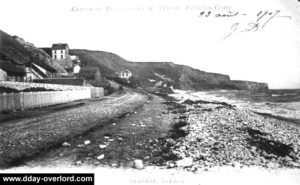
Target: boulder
{"x":138,"y":164}
{"x":185,"y":162}
{"x":66,"y":144}
{"x":87,"y":142}
{"x":100,"y":157}
{"x":102,"y":146}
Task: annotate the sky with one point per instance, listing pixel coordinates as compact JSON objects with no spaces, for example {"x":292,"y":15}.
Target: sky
{"x":172,"y":31}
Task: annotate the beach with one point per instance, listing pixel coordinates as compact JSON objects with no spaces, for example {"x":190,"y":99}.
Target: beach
{"x":216,"y":131}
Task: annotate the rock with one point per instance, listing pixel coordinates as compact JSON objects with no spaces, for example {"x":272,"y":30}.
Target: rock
{"x":66,"y":144}
{"x":235,"y":138}
{"x":138,"y":164}
{"x":106,"y":137}
{"x":114,"y":165}
{"x":171,"y":165}
{"x":271,"y":165}
{"x":102,"y":146}
{"x":287,"y":158}
{"x":120,"y":139}
{"x":100,"y":157}
{"x":80,"y":146}
{"x":188,"y":161}
{"x":111,"y":140}
{"x":253,"y":148}
{"x":130,"y":164}
{"x":61,"y":154}
{"x":78,"y":162}
{"x":236,"y":165}
{"x":113,"y":124}
{"x":96,"y":162}
{"x":294,"y":164}
{"x":87,"y":142}
{"x":132,"y":124}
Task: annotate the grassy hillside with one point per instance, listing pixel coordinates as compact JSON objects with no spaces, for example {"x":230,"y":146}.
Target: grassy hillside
{"x":23,"y":52}
{"x":146,"y":74}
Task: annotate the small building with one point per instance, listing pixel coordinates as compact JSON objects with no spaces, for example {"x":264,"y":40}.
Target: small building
{"x":164,"y":84}
{"x":14,"y":72}
{"x":90,"y":73}
{"x":3,"y":75}
{"x":125,"y":74}
{"x":60,"y":51}
{"x":21,"y":61}
{"x":22,"y":73}
{"x":76,"y":69}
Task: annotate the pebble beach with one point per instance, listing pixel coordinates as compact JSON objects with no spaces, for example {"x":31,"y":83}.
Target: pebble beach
{"x":211,"y":133}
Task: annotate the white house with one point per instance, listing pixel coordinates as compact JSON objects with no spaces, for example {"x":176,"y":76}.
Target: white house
{"x":76,"y":69}
{"x":60,"y":51}
{"x":125,"y":74}
{"x":3,"y":75}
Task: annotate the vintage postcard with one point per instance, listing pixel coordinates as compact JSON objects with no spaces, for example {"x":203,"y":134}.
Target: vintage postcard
{"x":155,"y":92}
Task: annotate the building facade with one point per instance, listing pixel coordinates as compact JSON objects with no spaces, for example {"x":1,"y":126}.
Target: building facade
{"x":125,"y":74}
{"x":60,"y":51}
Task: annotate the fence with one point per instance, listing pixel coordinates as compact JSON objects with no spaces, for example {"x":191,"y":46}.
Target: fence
{"x":26,"y":100}
{"x":97,"y":92}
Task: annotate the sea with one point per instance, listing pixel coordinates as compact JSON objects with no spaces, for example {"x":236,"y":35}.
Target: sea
{"x":279,"y":103}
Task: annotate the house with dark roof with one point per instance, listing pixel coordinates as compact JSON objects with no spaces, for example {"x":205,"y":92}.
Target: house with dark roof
{"x":14,"y":72}
{"x":24,"y":70}
{"x":90,"y":74}
{"x":22,"y":73}
{"x":60,"y":51}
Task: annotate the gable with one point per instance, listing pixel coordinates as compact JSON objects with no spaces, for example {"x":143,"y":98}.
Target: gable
{"x":60,"y":46}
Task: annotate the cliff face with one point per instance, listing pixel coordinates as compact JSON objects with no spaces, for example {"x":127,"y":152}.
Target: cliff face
{"x":146,"y":74}
{"x":251,"y":86}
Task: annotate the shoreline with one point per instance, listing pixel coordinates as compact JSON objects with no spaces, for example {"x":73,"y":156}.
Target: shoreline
{"x":286,"y":111}
{"x":168,"y":157}
{"x":217,"y":133}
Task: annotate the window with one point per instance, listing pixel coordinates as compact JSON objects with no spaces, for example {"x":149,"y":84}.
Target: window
{"x":54,"y":56}
{"x":62,"y":56}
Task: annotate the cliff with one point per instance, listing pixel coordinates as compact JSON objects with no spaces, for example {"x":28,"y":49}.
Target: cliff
{"x":146,"y":74}
{"x":252,"y":86}
{"x":23,"y":52}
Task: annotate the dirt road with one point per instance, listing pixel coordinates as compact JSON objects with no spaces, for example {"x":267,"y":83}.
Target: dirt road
{"x":25,"y":138}
{"x":123,"y":139}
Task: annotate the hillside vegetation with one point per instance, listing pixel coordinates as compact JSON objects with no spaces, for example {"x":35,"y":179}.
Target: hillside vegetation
{"x":147,"y":74}
{"x":23,"y":52}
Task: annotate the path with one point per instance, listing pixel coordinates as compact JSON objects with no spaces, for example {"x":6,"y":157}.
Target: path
{"x":24,"y":138}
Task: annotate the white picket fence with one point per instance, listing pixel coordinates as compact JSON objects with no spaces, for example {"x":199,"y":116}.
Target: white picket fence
{"x":27,"y":100}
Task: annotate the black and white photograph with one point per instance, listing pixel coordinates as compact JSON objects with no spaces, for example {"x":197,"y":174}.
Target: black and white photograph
{"x":150,"y":92}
